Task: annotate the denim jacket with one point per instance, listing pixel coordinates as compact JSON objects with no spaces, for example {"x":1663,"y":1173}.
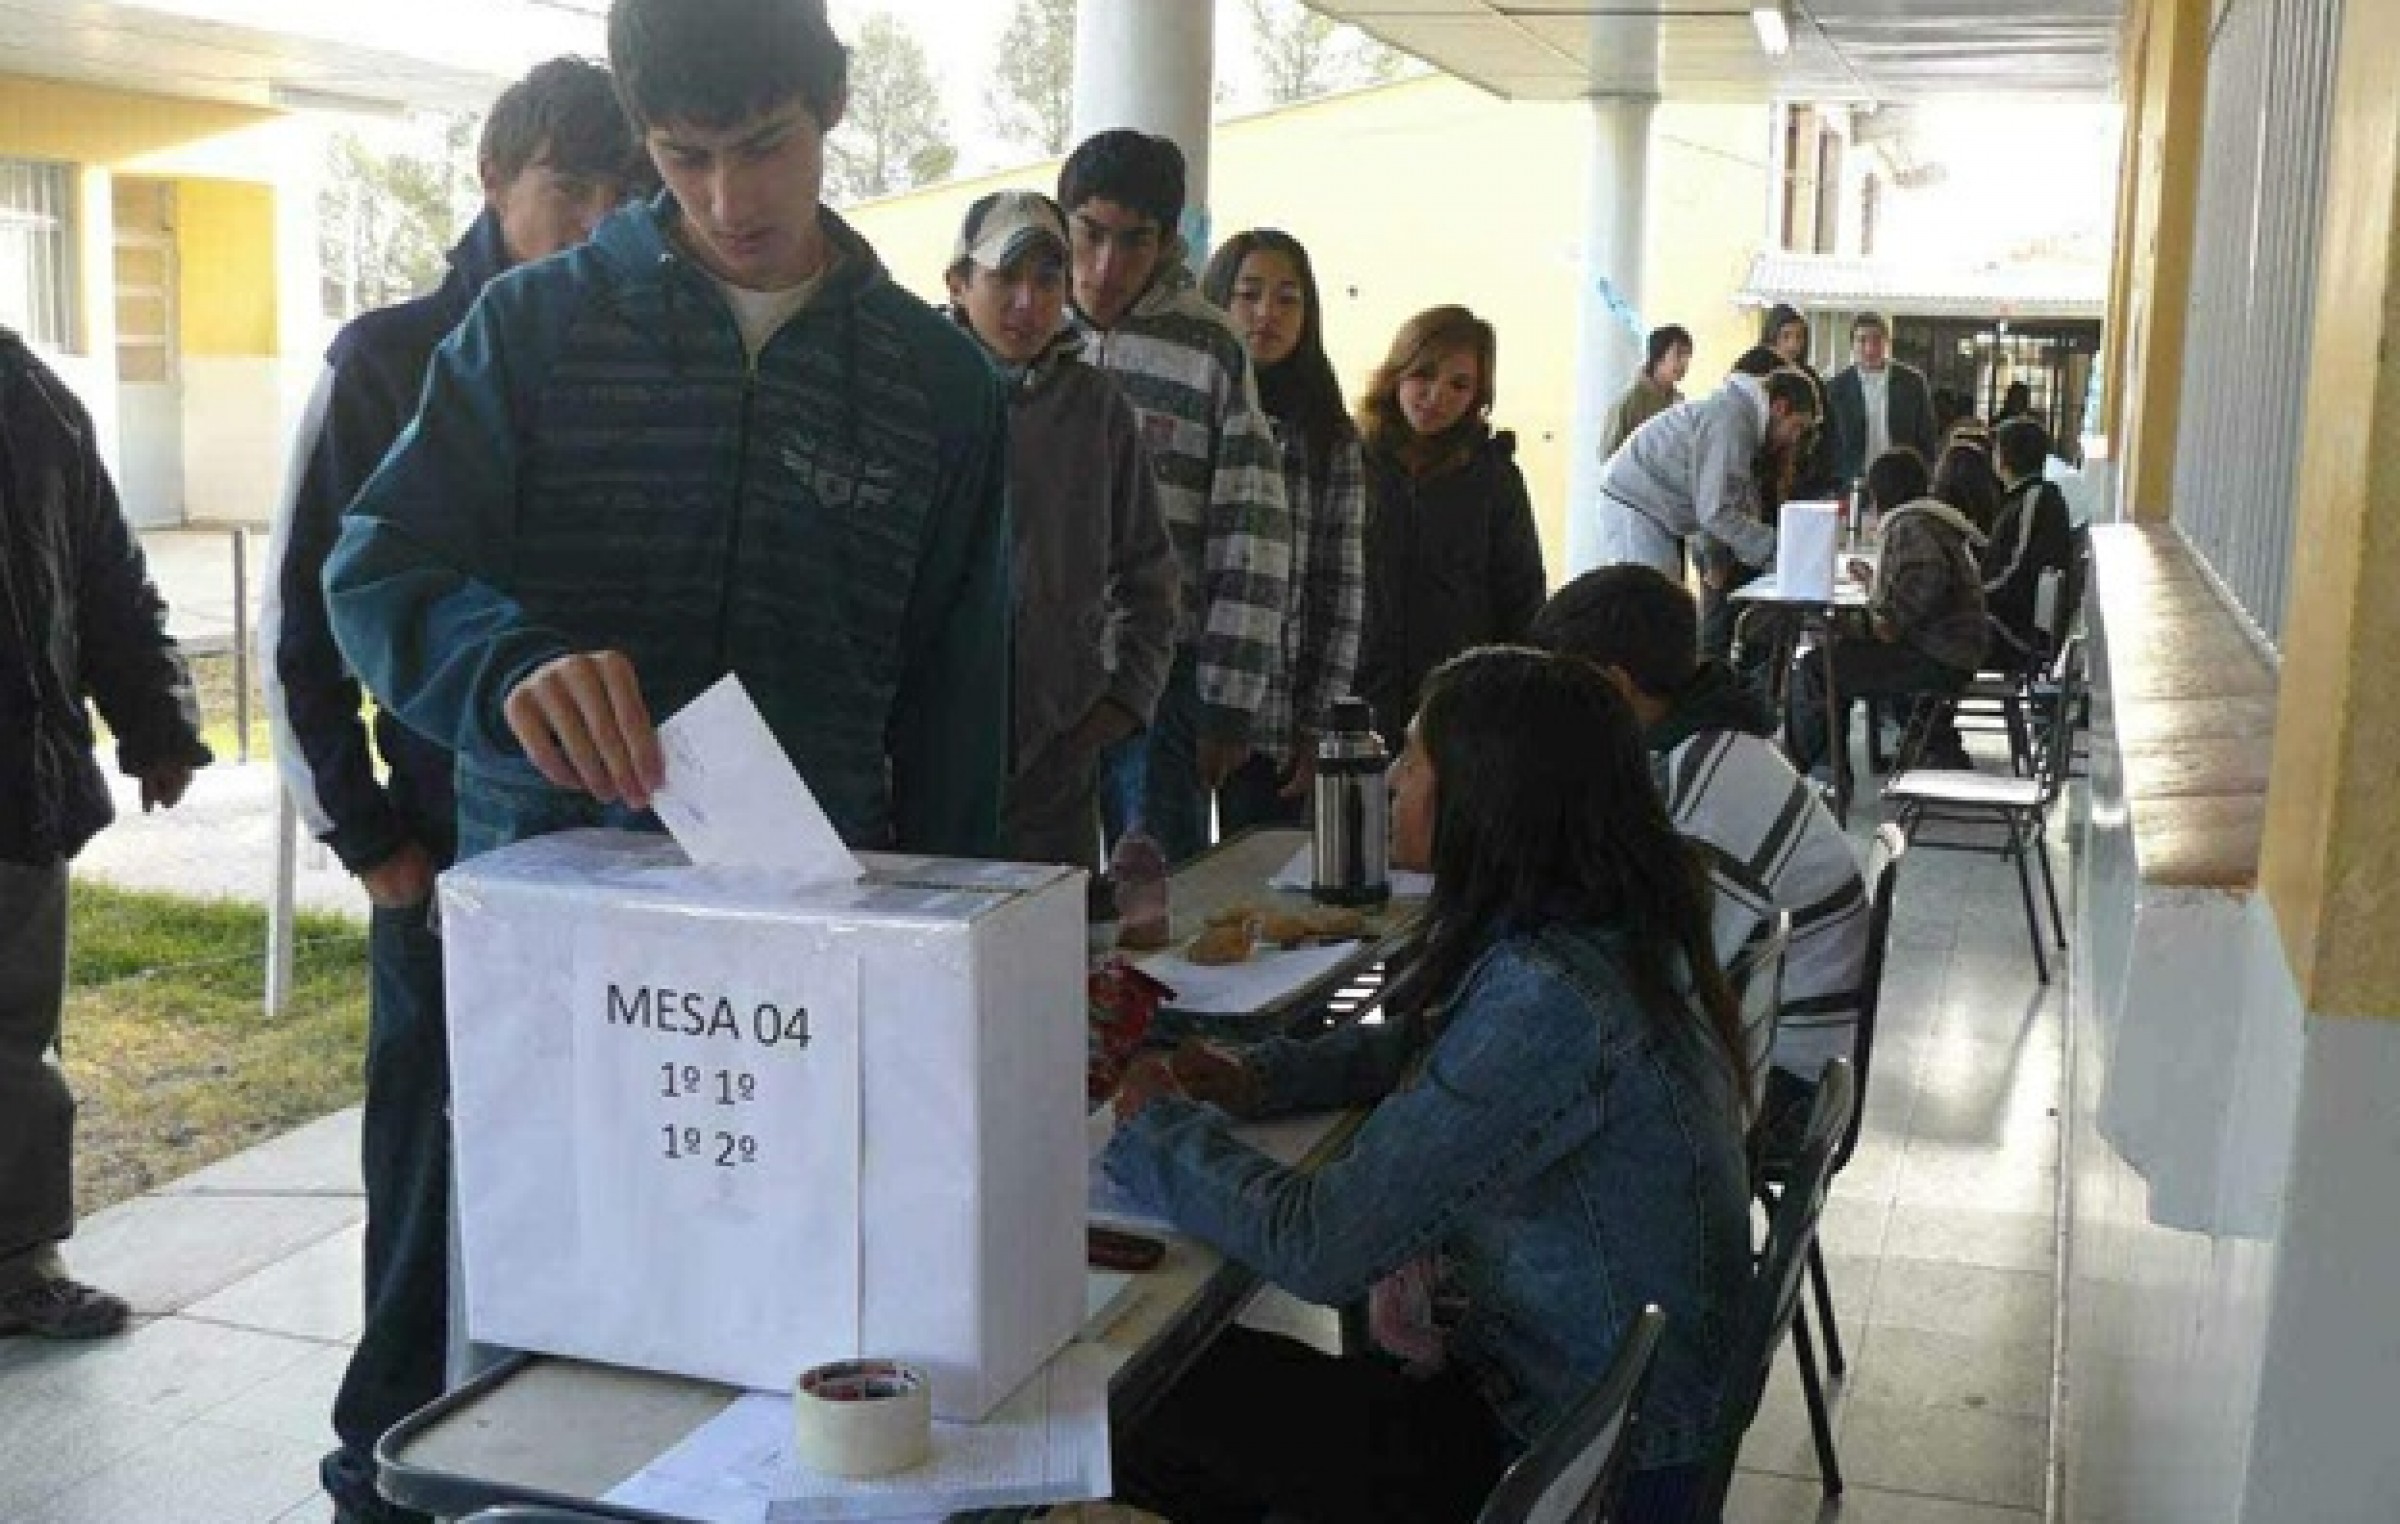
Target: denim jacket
{"x":1570,"y":1162}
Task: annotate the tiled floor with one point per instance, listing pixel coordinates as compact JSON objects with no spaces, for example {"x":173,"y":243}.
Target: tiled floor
{"x":1940,"y":1235}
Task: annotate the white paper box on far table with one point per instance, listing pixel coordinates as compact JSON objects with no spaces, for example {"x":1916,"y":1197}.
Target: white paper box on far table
{"x":1808,"y":541}
{"x":714,"y":1122}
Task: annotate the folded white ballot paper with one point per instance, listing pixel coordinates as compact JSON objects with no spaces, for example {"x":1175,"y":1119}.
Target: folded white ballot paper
{"x":1047,"y":1443}
{"x":733,"y":799}
{"x":1808,"y":539}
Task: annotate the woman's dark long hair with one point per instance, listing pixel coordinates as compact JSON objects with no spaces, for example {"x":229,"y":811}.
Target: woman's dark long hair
{"x":1545,"y":811}
{"x":1964,"y":479}
{"x":1300,"y":391}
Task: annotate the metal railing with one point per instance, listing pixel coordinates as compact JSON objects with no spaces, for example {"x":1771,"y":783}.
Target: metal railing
{"x":2255,"y":237}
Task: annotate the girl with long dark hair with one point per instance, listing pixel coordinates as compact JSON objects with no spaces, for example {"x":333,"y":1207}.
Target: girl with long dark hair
{"x":1453,"y":559}
{"x":1263,"y":280}
{"x":1556,"y":1140}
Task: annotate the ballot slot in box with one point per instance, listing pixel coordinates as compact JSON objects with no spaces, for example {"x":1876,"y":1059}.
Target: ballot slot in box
{"x":723,"y":1124}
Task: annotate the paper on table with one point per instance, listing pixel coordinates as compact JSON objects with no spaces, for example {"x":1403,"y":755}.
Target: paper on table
{"x":1300,"y":875}
{"x":1047,"y":1443}
{"x":733,"y":799}
{"x":1807,"y":535}
{"x":1237,"y":989}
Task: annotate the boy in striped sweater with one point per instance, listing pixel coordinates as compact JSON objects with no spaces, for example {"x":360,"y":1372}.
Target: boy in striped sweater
{"x":1729,"y":788}
{"x":1220,"y":480}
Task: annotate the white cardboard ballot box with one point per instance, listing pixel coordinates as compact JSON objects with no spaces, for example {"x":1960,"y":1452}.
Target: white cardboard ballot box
{"x":712,"y":1122}
{"x":1808,"y":540}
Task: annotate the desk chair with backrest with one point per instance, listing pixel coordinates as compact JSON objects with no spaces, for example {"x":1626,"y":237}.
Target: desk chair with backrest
{"x":1756,"y":978}
{"x":1774,"y":1172}
{"x":1772,"y":1306}
{"x":1572,"y":1473}
{"x":2019,"y":806}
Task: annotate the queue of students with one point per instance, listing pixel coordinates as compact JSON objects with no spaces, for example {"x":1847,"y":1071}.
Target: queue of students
{"x":1094,"y":549}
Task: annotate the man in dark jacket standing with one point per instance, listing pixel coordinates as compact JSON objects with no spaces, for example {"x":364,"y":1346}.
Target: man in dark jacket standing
{"x":1878,"y":403}
{"x":555,"y":157}
{"x":79,"y":621}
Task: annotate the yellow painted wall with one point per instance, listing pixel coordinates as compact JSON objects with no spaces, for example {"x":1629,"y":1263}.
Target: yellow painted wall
{"x":2331,"y":863}
{"x":225,"y":232}
{"x":2165,"y":170}
{"x":1431,"y":191}
{"x":132,"y":133}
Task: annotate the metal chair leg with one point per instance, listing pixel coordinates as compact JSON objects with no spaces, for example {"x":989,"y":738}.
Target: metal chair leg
{"x":1835,"y":1364}
{"x":1820,"y":1422}
{"x":2041,"y":849}
{"x":2033,"y":915}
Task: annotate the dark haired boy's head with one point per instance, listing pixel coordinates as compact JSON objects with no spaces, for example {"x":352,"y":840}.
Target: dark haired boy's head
{"x":1759,"y":361}
{"x":1670,"y":355}
{"x":1791,"y":409}
{"x":1122,"y":192}
{"x":1897,"y":477}
{"x":1785,"y":330}
{"x":2021,"y":447}
{"x":724,"y":63}
{"x":1633,"y":622}
{"x":733,"y":99}
{"x":556,"y":156}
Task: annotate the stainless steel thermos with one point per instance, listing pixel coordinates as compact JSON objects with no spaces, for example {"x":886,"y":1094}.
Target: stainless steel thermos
{"x":1353,"y":811}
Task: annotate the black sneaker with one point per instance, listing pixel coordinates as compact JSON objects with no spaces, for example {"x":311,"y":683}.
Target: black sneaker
{"x":62,"y":1309}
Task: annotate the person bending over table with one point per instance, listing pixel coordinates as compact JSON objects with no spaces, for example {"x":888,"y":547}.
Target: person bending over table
{"x":1925,"y":613}
{"x":1556,"y":1140}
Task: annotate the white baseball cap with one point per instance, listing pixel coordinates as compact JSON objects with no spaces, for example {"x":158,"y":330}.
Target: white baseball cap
{"x":1000,"y":227}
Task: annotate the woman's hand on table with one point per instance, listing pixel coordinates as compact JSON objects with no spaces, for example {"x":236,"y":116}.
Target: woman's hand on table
{"x":1199,"y":1071}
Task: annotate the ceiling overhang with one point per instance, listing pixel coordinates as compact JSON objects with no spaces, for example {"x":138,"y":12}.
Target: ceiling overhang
{"x":1867,"y":51}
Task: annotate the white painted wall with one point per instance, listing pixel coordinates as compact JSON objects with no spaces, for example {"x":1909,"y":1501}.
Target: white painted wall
{"x":238,"y":420}
{"x":2234,"y":1183}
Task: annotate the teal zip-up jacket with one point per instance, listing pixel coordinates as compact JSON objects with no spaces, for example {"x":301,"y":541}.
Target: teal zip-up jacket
{"x":597,"y":464}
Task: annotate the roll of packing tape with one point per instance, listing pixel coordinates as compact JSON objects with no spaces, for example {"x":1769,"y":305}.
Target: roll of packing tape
{"x":862,"y":1418}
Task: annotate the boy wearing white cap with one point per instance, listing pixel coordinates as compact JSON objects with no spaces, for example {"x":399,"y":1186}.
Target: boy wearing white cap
{"x":1096,"y":581}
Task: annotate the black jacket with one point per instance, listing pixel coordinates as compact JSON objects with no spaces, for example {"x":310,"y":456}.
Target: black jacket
{"x":2032,"y":535}
{"x":1908,"y":412}
{"x":78,"y":620}
{"x":1453,"y":561}
{"x":375,"y":373}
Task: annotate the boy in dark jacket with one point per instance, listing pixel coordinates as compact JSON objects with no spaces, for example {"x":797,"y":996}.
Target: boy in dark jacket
{"x":716,"y":439}
{"x":555,"y":158}
{"x":1096,"y":575}
{"x":79,"y":622}
{"x":2032,"y":535}
{"x":1926,"y":615}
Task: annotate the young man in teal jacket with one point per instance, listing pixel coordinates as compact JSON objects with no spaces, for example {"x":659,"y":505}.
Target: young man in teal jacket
{"x":717,"y":438}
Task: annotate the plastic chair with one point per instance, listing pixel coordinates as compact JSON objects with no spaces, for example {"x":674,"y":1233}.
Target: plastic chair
{"x":1772,"y":1306}
{"x":1571,"y":1474}
{"x":1774,"y":1174}
{"x":2020,"y":806}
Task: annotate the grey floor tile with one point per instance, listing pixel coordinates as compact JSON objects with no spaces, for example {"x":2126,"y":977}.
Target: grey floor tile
{"x":201,"y":1473}
{"x":1762,"y":1497}
{"x":1778,"y":1441}
{"x":296,"y":1404}
{"x":164,"y":1253}
{"x":1853,"y":1229}
{"x":51,"y":1442}
{"x":317,"y":1510}
{"x":1873,"y":1173}
{"x":1967,"y":1236}
{"x":1967,"y":1301}
{"x":314,"y":1294}
{"x":1908,"y":1367}
{"x":1993,"y":1182}
{"x":320,"y":1158}
{"x":1972,"y":1457}
{"x":170,"y":1369}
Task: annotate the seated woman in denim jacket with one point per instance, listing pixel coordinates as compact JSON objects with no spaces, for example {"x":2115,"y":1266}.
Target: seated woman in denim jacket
{"x":1556,"y":1141}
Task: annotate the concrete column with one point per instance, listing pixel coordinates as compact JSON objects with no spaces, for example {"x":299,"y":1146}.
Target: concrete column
{"x":1151,"y":65}
{"x":1610,"y":323}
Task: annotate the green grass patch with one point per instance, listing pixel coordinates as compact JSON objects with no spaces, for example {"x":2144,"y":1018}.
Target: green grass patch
{"x":167,"y":1042}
